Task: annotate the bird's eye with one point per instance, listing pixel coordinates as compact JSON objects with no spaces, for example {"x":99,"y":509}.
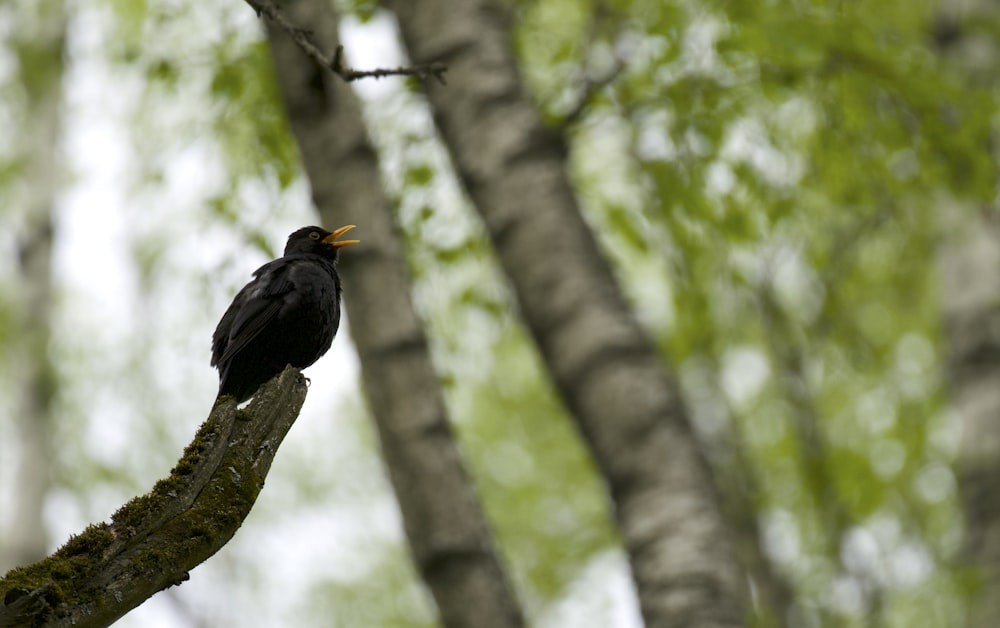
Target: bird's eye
{"x":313,"y":235}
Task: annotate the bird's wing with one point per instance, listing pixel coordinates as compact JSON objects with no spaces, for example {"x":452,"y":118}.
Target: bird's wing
{"x":254,"y":307}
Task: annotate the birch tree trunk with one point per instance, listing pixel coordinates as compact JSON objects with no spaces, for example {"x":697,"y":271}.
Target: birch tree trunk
{"x":606,"y":369}
{"x":447,"y":530}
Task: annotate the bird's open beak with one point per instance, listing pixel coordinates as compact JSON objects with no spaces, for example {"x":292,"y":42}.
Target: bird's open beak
{"x":332,"y":238}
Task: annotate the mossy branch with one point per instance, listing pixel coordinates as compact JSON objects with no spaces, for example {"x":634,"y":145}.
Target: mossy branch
{"x":154,"y":540}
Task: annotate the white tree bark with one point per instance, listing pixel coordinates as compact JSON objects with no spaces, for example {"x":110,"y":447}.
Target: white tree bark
{"x":607,"y":370}
{"x":448,"y":534}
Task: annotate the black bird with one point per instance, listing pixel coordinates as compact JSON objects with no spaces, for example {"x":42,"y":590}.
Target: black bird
{"x":288,"y":314}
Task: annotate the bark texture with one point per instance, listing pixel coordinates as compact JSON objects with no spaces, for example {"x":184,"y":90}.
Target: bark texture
{"x":447,"y":530}
{"x":606,"y":369}
{"x":153,"y":541}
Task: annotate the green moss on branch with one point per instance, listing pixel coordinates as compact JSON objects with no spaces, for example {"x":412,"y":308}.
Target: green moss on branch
{"x":155,"y":539}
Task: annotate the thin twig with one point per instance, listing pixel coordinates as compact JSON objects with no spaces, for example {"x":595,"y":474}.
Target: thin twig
{"x":592,"y":86}
{"x":336,"y":63}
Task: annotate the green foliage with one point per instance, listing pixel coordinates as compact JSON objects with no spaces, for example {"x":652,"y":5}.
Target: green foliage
{"x":252,"y":123}
{"x":386,"y":596}
{"x":363,"y":10}
{"x":544,"y":496}
{"x":779,"y":181}
{"x":132,"y":22}
{"x":766,"y":178}
{"x":209,"y":60}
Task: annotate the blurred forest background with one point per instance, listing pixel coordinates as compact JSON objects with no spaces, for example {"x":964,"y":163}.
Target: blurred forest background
{"x":799,"y":199}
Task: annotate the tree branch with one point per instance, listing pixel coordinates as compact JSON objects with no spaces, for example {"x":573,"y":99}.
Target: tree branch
{"x":154,"y":540}
{"x":336,"y":64}
{"x":592,"y":85}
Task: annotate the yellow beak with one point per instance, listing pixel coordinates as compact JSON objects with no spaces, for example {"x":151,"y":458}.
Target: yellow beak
{"x":332,"y":238}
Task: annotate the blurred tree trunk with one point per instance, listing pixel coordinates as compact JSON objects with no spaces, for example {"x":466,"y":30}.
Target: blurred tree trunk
{"x":970,"y":262}
{"x":39,"y":47}
{"x":447,"y":530}
{"x":605,"y":367}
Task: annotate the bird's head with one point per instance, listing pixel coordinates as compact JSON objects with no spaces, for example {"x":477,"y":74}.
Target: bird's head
{"x":318,"y":241}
